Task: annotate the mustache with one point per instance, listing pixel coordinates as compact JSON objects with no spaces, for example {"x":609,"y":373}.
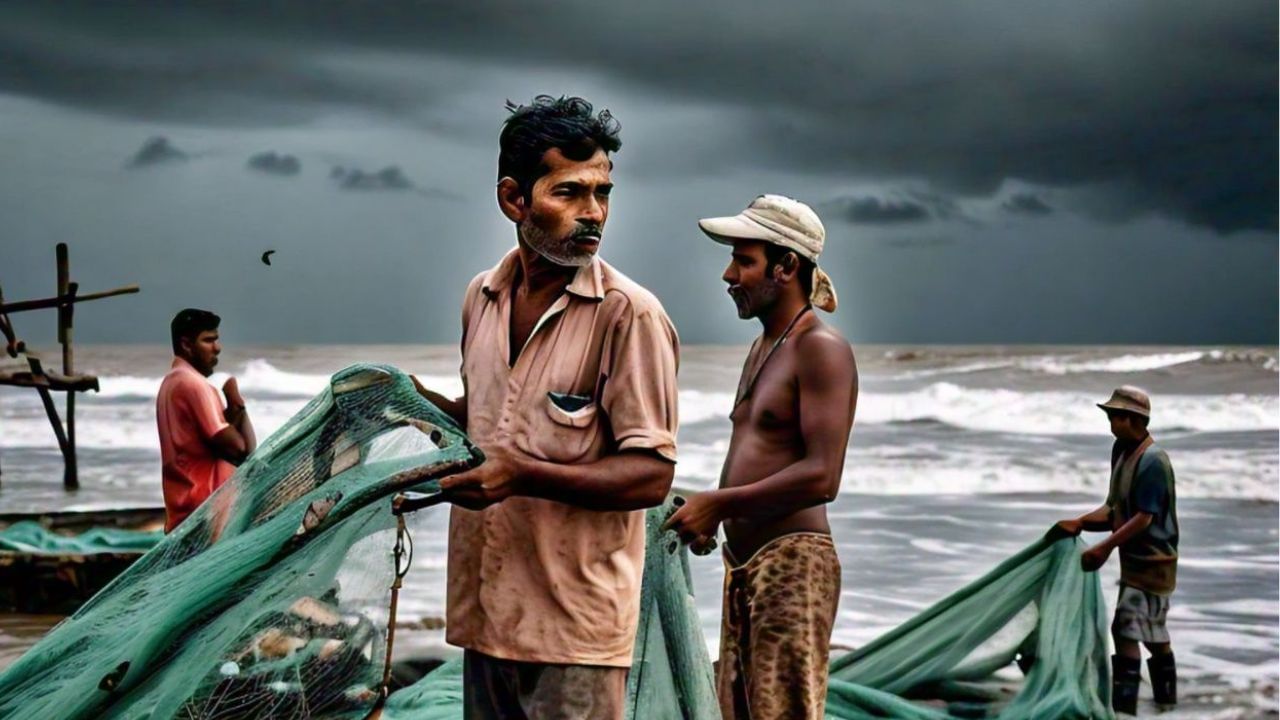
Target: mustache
{"x":583,"y":230}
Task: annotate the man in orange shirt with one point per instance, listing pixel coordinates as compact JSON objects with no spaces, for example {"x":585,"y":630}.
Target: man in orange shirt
{"x":200,"y":440}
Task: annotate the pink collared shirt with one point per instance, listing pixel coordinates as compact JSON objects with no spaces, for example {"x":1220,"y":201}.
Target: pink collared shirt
{"x":189,"y":413}
{"x":537,"y":580}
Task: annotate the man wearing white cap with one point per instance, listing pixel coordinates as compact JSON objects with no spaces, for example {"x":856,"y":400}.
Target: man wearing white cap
{"x":1141,"y":515}
{"x":791,"y":422}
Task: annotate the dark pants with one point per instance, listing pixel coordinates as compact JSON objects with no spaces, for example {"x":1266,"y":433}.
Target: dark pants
{"x":497,"y":689}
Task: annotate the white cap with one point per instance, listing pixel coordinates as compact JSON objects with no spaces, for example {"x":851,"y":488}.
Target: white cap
{"x":782,"y":221}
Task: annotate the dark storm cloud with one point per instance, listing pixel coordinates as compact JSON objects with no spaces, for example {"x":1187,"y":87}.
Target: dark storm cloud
{"x":388,"y":178}
{"x":1174,"y":100}
{"x":156,"y":151}
{"x":1026,"y":204}
{"x":873,"y":210}
{"x":940,"y":206}
{"x":274,"y":163}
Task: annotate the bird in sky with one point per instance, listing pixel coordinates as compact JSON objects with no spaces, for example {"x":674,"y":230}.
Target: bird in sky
{"x":266,"y":257}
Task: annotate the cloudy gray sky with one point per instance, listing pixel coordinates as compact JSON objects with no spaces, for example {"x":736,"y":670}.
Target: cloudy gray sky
{"x":1076,"y":172}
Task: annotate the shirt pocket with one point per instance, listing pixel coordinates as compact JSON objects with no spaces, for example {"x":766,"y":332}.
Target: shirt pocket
{"x":561,"y":435}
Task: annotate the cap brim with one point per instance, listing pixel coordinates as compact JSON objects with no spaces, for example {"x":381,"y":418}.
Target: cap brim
{"x":1124,"y":408}
{"x":727,"y":229}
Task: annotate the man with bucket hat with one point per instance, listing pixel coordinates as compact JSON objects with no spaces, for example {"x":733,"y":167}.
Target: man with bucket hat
{"x":1141,"y":515}
{"x":791,"y":422}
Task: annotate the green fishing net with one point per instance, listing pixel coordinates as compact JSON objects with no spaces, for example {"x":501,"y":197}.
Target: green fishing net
{"x":1027,"y":640}
{"x":272,"y":600}
{"x":671,"y":674}
{"x":29,"y":536}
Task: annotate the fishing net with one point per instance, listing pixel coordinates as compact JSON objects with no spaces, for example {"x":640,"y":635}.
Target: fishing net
{"x":671,"y":674}
{"x":271,"y":600}
{"x":1027,"y":640}
{"x":29,"y":536}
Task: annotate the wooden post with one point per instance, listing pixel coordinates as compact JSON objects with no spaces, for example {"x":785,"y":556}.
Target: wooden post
{"x":68,"y":294}
{"x":67,"y":289}
{"x":53,"y":302}
{"x":71,"y":474}
{"x":37,"y":369}
{"x":64,"y":280}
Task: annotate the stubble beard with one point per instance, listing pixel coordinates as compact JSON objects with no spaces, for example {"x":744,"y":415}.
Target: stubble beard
{"x":560,"y":250}
{"x":754,"y":304}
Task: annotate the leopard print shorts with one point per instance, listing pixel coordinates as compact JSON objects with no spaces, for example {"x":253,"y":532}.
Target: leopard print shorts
{"x":775,"y":639}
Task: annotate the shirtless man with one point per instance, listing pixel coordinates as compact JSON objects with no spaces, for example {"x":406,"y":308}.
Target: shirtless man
{"x":791,"y":422}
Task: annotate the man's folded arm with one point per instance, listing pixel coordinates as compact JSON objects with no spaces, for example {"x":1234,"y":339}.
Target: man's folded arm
{"x":228,"y":444}
{"x":222,"y":436}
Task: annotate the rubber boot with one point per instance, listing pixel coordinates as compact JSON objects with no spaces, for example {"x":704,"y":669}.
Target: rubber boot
{"x":1164,"y":679}
{"x":1126,"y":673}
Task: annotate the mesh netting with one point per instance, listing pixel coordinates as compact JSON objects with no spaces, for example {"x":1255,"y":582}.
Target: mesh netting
{"x":1036,"y":613}
{"x":29,"y":536}
{"x":671,"y":676}
{"x":1027,"y":640}
{"x":271,"y":599}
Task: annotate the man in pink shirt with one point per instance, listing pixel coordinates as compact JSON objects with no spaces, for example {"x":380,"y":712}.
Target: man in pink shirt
{"x":569,"y":373}
{"x":200,"y":440}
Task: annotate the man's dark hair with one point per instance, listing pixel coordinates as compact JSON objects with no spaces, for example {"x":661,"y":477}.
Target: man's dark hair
{"x":189,"y":323}
{"x":567,"y":123}
{"x":773,"y":256}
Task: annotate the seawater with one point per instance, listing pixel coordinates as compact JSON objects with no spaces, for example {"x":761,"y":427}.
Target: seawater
{"x":959,"y":457}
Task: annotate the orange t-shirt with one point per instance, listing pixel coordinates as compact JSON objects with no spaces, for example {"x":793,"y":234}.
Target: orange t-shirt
{"x":189,"y":413}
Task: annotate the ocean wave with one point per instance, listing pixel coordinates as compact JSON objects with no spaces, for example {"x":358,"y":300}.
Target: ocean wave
{"x":1063,"y":413}
{"x":908,"y":467}
{"x":127,"y":387}
{"x":698,"y":406}
{"x":1121,"y":364}
{"x":1074,"y":363}
{"x":928,"y":469}
{"x":981,"y":410}
{"x":258,"y":379}
{"x":1251,"y":357}
{"x":1032,"y":413}
{"x":274,"y":395}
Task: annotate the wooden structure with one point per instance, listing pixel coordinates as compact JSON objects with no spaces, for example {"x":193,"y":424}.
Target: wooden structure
{"x":46,"y":382}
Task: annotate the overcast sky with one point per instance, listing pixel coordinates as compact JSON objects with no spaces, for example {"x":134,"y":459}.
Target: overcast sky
{"x":1073,"y":172}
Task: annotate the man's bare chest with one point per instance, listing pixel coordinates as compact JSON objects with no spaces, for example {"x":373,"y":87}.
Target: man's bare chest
{"x":772,"y":403}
